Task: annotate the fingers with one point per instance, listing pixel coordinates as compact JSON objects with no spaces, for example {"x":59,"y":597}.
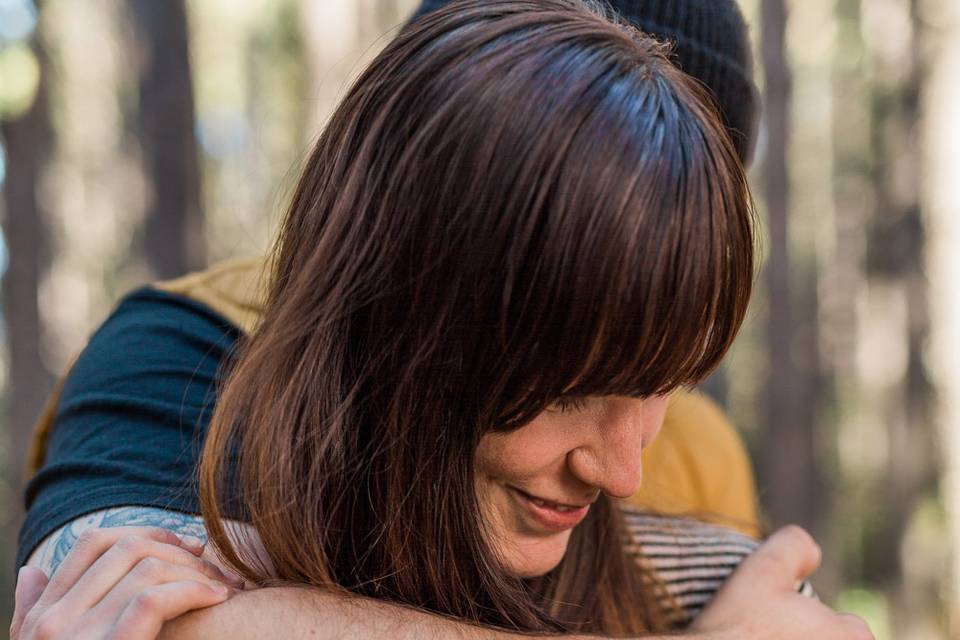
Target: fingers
{"x":30,"y":584}
{"x":123,"y":576}
{"x":145,"y":614}
{"x":93,"y":543}
{"x":787,"y":557}
{"x":149,"y":574}
{"x":121,"y":559}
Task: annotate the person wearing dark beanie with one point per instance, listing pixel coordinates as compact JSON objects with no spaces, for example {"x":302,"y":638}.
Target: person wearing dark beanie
{"x":710,"y":42}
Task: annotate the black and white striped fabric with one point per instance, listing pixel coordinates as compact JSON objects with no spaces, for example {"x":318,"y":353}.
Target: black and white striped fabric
{"x":691,"y":558}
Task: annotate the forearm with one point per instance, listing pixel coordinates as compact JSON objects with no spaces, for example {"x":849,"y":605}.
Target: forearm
{"x":266,"y":613}
{"x":54,"y":549}
{"x":289,"y":612}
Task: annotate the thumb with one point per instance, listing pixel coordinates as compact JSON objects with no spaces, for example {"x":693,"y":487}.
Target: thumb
{"x":786,"y":558}
{"x":31,"y":582}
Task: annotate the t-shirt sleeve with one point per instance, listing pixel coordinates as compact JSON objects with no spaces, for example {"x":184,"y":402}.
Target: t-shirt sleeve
{"x":132,"y":415}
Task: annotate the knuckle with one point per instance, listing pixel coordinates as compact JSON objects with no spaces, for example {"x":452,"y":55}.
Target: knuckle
{"x":131,"y":545}
{"x":793,"y":546}
{"x":799,"y":535}
{"x":201,"y":589}
{"x":146,"y":603}
{"x":165,"y":535}
{"x":90,"y":539}
{"x":48,"y":626}
{"x":159,"y":534}
{"x":149,"y":569}
{"x":771,"y":562}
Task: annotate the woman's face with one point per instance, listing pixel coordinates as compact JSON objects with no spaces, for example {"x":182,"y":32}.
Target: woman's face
{"x":535,"y":484}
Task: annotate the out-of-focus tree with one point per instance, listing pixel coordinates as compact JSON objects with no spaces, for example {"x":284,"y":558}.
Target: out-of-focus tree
{"x":941,"y":198}
{"x":901,"y":395}
{"x":843,"y":285}
{"x":165,"y":127}
{"x":788,"y":465}
{"x":28,"y":141}
{"x":250,"y":86}
{"x":337,"y":55}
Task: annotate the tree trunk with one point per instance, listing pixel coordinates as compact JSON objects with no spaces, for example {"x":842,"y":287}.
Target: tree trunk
{"x":896,"y":240}
{"x":941,"y":142}
{"x":787,"y":467}
{"x":173,"y":229}
{"x":28,"y":140}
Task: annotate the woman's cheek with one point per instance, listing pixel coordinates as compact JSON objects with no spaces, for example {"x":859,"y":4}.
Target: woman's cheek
{"x":522,"y":453}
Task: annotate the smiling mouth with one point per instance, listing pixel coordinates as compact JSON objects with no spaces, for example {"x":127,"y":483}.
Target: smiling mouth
{"x":548,"y":515}
{"x":547,"y":504}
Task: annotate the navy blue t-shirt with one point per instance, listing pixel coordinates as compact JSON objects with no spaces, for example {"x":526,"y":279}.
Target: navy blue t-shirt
{"x":134,"y":409}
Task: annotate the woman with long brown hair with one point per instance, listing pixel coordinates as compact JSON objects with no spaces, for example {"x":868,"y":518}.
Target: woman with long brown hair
{"x":520,"y":231}
{"x":520,"y":208}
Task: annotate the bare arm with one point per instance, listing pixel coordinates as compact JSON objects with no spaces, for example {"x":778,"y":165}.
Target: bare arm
{"x":287,"y":612}
{"x":50,"y":553}
{"x":291,"y":612}
{"x":275,"y":612}
{"x":758,"y":601}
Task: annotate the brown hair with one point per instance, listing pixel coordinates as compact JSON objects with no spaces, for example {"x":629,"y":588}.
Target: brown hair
{"x":517,"y":201}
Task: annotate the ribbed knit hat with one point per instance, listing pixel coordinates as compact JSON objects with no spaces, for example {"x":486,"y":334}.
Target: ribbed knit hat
{"x":710,"y":43}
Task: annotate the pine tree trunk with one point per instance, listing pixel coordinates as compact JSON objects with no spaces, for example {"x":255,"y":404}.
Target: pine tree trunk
{"x":28,"y":141}
{"x":941,"y":142}
{"x":788,"y":468}
{"x":896,"y":240}
{"x":173,"y":229}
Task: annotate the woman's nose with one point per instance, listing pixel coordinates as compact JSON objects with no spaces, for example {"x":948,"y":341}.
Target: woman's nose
{"x":609,"y":457}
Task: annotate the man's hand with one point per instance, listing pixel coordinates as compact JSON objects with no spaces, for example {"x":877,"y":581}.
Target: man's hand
{"x":118,"y":583}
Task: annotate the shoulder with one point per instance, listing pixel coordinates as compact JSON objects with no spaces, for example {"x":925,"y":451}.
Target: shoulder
{"x":155,"y":346}
{"x":236,"y":289}
{"x":149,"y":317}
{"x":697,"y":428}
{"x":127,"y":424}
{"x":156,"y":340}
{"x":193,"y":320}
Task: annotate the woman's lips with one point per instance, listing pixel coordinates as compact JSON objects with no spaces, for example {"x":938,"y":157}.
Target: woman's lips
{"x":552,"y":516}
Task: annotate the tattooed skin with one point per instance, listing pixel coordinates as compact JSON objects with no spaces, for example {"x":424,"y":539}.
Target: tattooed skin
{"x":51,"y":553}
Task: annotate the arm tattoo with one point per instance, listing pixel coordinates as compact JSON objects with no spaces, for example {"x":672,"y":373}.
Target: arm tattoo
{"x":182,"y":524}
{"x":51,"y":553}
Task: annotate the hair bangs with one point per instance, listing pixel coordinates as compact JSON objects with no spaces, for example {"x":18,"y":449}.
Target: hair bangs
{"x":646,"y":266}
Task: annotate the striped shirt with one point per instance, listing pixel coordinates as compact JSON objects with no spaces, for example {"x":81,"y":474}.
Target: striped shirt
{"x":692,"y":559}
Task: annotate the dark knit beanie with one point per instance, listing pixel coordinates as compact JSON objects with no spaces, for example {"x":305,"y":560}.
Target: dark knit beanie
{"x":710,"y":43}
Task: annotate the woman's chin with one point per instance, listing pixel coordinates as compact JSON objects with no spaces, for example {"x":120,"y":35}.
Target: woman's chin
{"x":530,"y":557}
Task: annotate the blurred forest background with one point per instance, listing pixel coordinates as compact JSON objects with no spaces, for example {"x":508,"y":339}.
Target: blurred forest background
{"x":140,"y":139}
